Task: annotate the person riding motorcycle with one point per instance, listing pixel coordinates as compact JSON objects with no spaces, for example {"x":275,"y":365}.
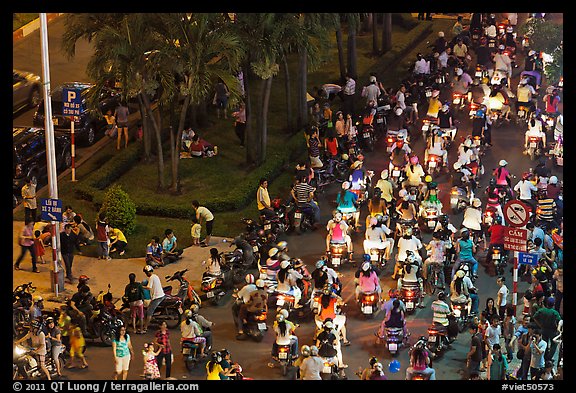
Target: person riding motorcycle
{"x":437,"y":250}
{"x":304,"y":283}
{"x":375,"y":237}
{"x":534,"y":130}
{"x":242,"y":298}
{"x":465,"y":249}
{"x":493,"y":197}
{"x":272,"y":264}
{"x":377,"y":207}
{"x":419,"y":363}
{"x":459,"y":290}
{"x":463,"y":178}
{"x":496,"y":232}
{"x":436,"y":145}
{"x":503,"y":176}
{"x":386,"y":187}
{"x":524,"y":94}
{"x":324,"y":276}
{"x":473,"y":218}
{"x":287,"y":282}
{"x":502,"y":61}
{"x":282,"y":247}
{"x":347,"y":202}
{"x":338,"y":233}
{"x":328,"y":343}
{"x":366,"y":280}
{"x":204,"y":324}
{"x":447,"y":233}
{"x":284,"y":330}
{"x":431,"y":199}
{"x":414,"y":175}
{"x":398,"y":156}
{"x":408,"y":242}
{"x":329,"y":305}
{"x":192,"y":332}
{"x":412,"y":275}
{"x":82,"y":303}
{"x":441,"y":311}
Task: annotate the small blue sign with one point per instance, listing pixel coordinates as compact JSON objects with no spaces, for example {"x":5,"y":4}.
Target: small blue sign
{"x":528,"y":259}
{"x":51,"y":209}
{"x":71,"y":102}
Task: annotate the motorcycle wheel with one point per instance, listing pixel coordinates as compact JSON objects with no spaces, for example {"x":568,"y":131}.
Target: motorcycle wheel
{"x":107,"y":334}
{"x":190,"y":363}
{"x":216,"y":300}
{"x":284,"y":367}
{"x":258,"y":337}
{"x":461,"y":325}
{"x":238,"y":275}
{"x":532,"y":154}
{"x":173,"y":318}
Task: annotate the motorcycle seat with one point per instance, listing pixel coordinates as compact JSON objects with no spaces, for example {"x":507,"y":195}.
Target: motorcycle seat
{"x":167,"y":289}
{"x":394,"y":330}
{"x":438,"y":328}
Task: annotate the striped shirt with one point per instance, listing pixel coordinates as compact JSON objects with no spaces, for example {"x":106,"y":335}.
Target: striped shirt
{"x":546,"y":209}
{"x":302,"y":192}
{"x":350,"y":87}
{"x":441,"y":311}
{"x":314,"y":147}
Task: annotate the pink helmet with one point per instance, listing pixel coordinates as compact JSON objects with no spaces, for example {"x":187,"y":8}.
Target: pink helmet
{"x":414,"y":160}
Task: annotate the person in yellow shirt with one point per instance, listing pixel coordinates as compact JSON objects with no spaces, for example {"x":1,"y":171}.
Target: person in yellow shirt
{"x":263,"y":199}
{"x":434,"y":104}
{"x":195,"y":231}
{"x":214,"y":369}
{"x":118,"y":241}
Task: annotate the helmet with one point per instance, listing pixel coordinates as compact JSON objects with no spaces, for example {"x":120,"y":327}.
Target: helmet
{"x":414,"y":160}
{"x":83,"y":279}
{"x":432,"y":185}
{"x":216,"y":357}
{"x":356,"y":164}
{"x":468,"y":143}
{"x":398,"y":111}
{"x":408,"y":231}
{"x":377,"y":191}
{"x":479,"y":113}
{"x":281,"y":246}
{"x":410,"y":258}
{"x":526,"y":175}
{"x":457,"y":165}
{"x":344,"y":157}
{"x":260,"y":283}
{"x":366,"y":265}
{"x":284,"y":264}
{"x":188,"y":313}
{"x":345,"y":185}
{"x":328,"y":324}
{"x":38,"y":298}
{"x":531,"y":53}
{"x":509,"y":29}
{"x":492,"y":181}
{"x":360,"y":157}
{"x":194,"y":308}
{"x":249,"y":279}
{"x":313,"y":350}
{"x":280,"y":317}
{"x":402,"y":193}
{"x":373,"y":221}
{"x":284,"y":312}
{"x":445,"y":107}
{"x":553,"y":180}
{"x":378,"y":366}
{"x":550,"y":301}
{"x":498,"y":219}
{"x":459,"y":71}
{"x":320,"y":263}
{"x":501,"y":47}
{"x":428,"y":179}
{"x":273,"y":251}
{"x":441,"y":295}
{"x":440,"y":34}
{"x":372,"y":79}
{"x":305,"y":350}
{"x":384,"y":174}
{"x":148,"y":269}
{"x":476,"y":202}
{"x":35,"y":324}
{"x":460,"y":273}
{"x":503,"y":163}
{"x":49,"y":320}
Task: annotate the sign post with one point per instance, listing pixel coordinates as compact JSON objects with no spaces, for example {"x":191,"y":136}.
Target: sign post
{"x":71,"y":104}
{"x":515,"y":240}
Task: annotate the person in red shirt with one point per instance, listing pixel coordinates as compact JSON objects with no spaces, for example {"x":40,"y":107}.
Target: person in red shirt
{"x":496,"y":233}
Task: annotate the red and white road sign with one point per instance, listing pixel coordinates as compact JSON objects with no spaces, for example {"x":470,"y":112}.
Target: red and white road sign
{"x":515,"y":239}
{"x":516,"y":213}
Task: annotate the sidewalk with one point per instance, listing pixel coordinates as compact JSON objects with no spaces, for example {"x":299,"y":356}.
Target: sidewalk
{"x":102,"y":273}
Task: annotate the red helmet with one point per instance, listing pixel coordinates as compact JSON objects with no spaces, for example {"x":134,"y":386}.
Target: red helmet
{"x":526,"y":175}
{"x":276,"y":202}
{"x":414,"y":160}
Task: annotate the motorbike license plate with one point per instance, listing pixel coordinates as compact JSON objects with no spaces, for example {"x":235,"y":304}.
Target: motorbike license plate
{"x":456,"y":101}
{"x":379,"y":121}
{"x":326,"y":370}
{"x":180,"y":311}
{"x":432,"y":164}
{"x":425,"y":127}
{"x":409,"y":305}
{"x":472,"y":112}
{"x":496,"y":256}
{"x":393,"y":347}
{"x":280,"y":302}
{"x":520,"y":113}
{"x":453,"y":201}
{"x":366,"y":135}
{"x":297,"y":215}
{"x":367,"y":309}
{"x":478,"y":74}
{"x":267,"y":227}
{"x":315,"y":305}
{"x":335,"y":261}
{"x":185,"y":351}
{"x":386,"y":107}
{"x":431,"y":224}
{"x":283,"y":355}
{"x":255,"y":248}
{"x":395,"y":173}
{"x":209,"y":294}
{"x":262,"y":326}
{"x":432,"y":339}
{"x":457,"y":312}
{"x":428,"y":94}
{"x":533,"y":145}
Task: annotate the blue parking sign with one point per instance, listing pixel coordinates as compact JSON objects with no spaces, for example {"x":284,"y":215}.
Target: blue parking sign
{"x":51,"y":209}
{"x":528,"y":259}
{"x":71,"y":102}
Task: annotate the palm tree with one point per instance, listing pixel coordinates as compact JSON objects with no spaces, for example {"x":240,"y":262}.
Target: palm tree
{"x":353,"y":22}
{"x":375,"y":48}
{"x":387,"y":33}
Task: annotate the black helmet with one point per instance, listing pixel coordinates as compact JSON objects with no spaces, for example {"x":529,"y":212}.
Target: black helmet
{"x":377,"y":191}
{"x":492,"y":182}
{"x":441,"y":295}
{"x":437,"y":235}
{"x":444,"y":219}
{"x":35,"y":324}
{"x":373,"y":360}
{"x":498,"y":219}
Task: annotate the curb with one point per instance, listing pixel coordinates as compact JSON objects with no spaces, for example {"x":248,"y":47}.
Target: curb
{"x":31,"y":27}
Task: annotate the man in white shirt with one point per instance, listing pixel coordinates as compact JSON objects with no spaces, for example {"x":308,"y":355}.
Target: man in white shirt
{"x":348,"y":95}
{"x":421,"y":66}
{"x":525,"y":187}
{"x":502,"y":297}
{"x":534,"y":130}
{"x":400,"y":97}
{"x":156,"y":293}
{"x":372,"y":91}
{"x":493,"y":332}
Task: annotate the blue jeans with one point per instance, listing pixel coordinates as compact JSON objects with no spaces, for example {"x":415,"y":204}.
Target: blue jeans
{"x":475,"y":302}
{"x":460,"y":261}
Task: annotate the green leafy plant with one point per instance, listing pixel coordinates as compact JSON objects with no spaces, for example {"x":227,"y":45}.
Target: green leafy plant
{"x":119,"y":209}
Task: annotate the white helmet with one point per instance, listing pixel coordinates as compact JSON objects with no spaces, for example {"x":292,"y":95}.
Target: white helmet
{"x":372,"y":79}
{"x":249,"y":279}
{"x":345,"y":185}
{"x":398,"y":111}
{"x":260,"y":283}
{"x":440,"y":34}
{"x":468,"y":143}
{"x":366,"y":266}
{"x":280,"y":317}
{"x":384,"y":174}
{"x":457,"y":165}
{"x":148,"y":268}
{"x":273,"y":251}
{"x":410,"y":258}
{"x":503,"y":163}
{"x":328,"y":324}
{"x":402,"y":193}
{"x":460,"y":274}
{"x":38,"y":298}
{"x":553,"y":180}
{"x":284,"y":264}
{"x":284,"y":312}
{"x":282,"y":245}
{"x":459,"y":71}
{"x":476,"y":202}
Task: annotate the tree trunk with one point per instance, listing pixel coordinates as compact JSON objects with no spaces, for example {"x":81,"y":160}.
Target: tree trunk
{"x":175,"y":186}
{"x":250,"y":133}
{"x":375,"y":47}
{"x":289,"y":114}
{"x":387,"y":33}
{"x":145,"y":130}
{"x":302,"y":83}
{"x":267,"y":88}
{"x":352,"y":55}
{"x":156,"y":126}
{"x":368,"y":22}
{"x":341,"y":61}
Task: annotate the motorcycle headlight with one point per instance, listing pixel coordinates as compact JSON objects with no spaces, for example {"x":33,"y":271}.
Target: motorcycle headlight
{"x":19,"y":350}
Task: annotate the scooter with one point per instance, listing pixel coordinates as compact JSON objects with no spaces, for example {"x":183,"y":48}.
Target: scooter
{"x":534,"y":147}
{"x":337,"y":255}
{"x":25,"y":365}
{"x":410,"y":295}
{"x":557,"y":152}
{"x":438,"y":340}
{"x":369,"y":304}
{"x":169,"y":310}
{"x":460,"y":312}
{"x":395,"y":340}
{"x":283,"y":355}
{"x":499,"y":257}
{"x":302,"y":218}
{"x":433,"y":164}
{"x":190,"y":353}
{"x":459,"y":199}
{"x":186,"y":291}
{"x":429,"y":216}
{"x":215,"y":287}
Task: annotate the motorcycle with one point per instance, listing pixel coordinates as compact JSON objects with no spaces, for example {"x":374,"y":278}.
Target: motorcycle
{"x":459,"y":199}
{"x":337,"y":255}
{"x":429,"y":216}
{"x":215,"y":287}
{"x":283,"y":355}
{"x":481,"y":71}
{"x":190,"y":353}
{"x":488,"y":217}
{"x":395,"y":339}
{"x":410,"y":294}
{"x":534,"y":147}
{"x":557,"y":152}
{"x":255,"y":325}
{"x":458,"y":101}
{"x":169,"y":310}
{"x":21,"y":302}
{"x":397,"y":175}
{"x":523,"y":115}
{"x":369,"y":303}
{"x":186,"y":291}
{"x":366,"y":132}
{"x":428,"y":125}
{"x":499,"y":257}
{"x":434,"y":282}
{"x":302,"y":217}
{"x":460,"y":312}
{"x":433,"y":164}
{"x":333,"y":171}
{"x":25,"y":365}
{"x":380,"y":124}
{"x":497,"y":76}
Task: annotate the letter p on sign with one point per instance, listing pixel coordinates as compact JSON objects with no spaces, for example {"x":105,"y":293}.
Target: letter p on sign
{"x":71,"y":96}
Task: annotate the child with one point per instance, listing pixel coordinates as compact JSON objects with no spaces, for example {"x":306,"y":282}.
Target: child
{"x":151,"y":370}
{"x":111,"y":123}
{"x":548,"y":373}
{"x":77,"y":344}
{"x":195,"y":231}
{"x":527,"y":298}
{"x":39,"y":246}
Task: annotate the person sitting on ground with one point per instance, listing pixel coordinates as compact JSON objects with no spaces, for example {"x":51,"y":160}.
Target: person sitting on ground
{"x":82,"y":230}
{"x":154,"y":253}
{"x":118,"y":241}
{"x":170,"y":251}
{"x":201,"y":148}
{"x":187,"y":135}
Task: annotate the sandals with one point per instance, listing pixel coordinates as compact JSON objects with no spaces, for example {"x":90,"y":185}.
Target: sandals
{"x":346,"y":343}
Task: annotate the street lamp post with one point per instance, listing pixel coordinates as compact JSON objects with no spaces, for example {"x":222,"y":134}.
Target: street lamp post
{"x":50,"y":151}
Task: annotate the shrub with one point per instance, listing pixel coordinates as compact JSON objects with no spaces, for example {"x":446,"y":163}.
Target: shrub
{"x":119,"y":209}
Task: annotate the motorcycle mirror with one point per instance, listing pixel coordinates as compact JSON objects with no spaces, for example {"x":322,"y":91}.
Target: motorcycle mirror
{"x":166,"y":277}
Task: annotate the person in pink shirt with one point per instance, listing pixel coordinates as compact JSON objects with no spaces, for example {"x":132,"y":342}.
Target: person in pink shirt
{"x":27,"y":244}
{"x":367,"y":279}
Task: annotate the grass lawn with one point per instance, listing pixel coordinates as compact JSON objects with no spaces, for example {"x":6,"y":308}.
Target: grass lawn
{"x":19,"y":20}
{"x":203,"y":179}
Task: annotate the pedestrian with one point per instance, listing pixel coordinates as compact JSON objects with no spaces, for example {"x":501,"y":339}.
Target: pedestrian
{"x":68,"y":242}
{"x":502,"y":297}
{"x":348,"y":94}
{"x":118,"y":241}
{"x":170,"y":251}
{"x":474,"y":356}
{"x":77,"y":346}
{"x":163,"y":339}
{"x":547,"y":319}
{"x":54,"y":335}
{"x":29,"y":198}
{"x":134,"y":292}
{"x":102,"y":236}
{"x":156,"y":293}
{"x":123,"y":352}
{"x":121,"y":116}
{"x":206,"y":216}
{"x":508,"y":331}
{"x":497,"y":364}
{"x":82,"y":230}
{"x":39,"y":247}
{"x":26,"y":242}
{"x":195,"y":231}
{"x":151,"y":370}
{"x":240,"y":122}
{"x":537,"y":351}
{"x":221,"y":98}
{"x":493,"y":333}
